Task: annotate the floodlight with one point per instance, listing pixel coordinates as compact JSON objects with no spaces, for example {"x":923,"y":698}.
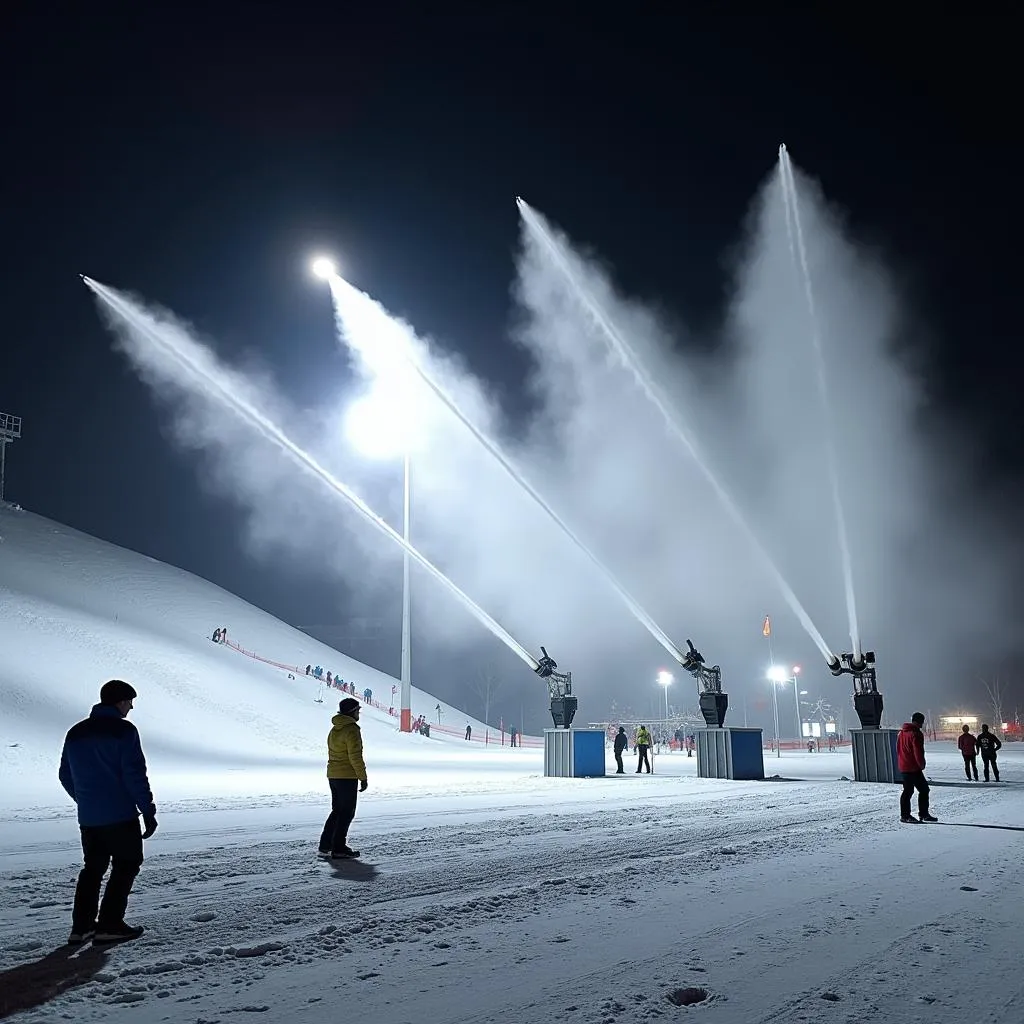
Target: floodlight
{"x":324,"y":268}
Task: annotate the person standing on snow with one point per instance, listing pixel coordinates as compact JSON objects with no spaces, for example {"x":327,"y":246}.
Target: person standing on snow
{"x":103,"y":770}
{"x":967,"y":745}
{"x":911,"y":762}
{"x":989,"y":744}
{"x":643,"y":744}
{"x":346,"y":775}
{"x":621,"y":742}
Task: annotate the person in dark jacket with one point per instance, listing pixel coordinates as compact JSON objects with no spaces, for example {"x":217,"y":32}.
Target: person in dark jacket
{"x":967,"y":745}
{"x":911,"y":762}
{"x":621,"y":742}
{"x":989,"y":744}
{"x":103,"y":770}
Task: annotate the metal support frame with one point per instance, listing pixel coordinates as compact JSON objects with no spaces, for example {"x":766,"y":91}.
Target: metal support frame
{"x":563,"y":703}
{"x":10,"y":431}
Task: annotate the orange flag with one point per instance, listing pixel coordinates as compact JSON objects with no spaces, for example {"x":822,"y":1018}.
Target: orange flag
{"x":766,"y":629}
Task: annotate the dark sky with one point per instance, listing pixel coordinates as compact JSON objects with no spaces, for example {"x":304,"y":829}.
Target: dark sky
{"x":198,"y":159}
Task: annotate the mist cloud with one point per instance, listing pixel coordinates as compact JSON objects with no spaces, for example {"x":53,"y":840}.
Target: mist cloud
{"x":927,"y":578}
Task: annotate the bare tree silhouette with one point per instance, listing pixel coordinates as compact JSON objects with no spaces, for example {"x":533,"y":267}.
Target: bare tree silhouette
{"x":994,"y":689}
{"x":485,"y":685}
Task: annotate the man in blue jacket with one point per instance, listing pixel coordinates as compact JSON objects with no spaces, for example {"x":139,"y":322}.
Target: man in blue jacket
{"x":103,"y":769}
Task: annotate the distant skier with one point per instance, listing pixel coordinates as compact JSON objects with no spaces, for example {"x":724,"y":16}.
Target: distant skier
{"x":469,"y":731}
{"x":512,"y":735}
{"x":223,"y":634}
{"x":103,"y":770}
{"x":989,"y":744}
{"x":911,"y":762}
{"x":643,"y":744}
{"x":968,"y":746}
{"x":621,"y":742}
{"x":216,"y":635}
{"x":346,"y":775}
{"x":309,"y":670}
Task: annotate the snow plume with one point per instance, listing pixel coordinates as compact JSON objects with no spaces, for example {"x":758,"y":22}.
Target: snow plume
{"x":928,"y":577}
{"x":929,"y":581}
{"x":222,"y":412}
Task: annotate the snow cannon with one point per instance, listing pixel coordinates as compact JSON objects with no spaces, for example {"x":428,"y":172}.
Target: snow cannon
{"x":867,"y":701}
{"x":563,"y":703}
{"x":713,"y":702}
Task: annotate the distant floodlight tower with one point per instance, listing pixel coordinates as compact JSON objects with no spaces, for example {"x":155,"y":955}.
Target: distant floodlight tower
{"x":377,"y":427}
{"x":10,"y":430}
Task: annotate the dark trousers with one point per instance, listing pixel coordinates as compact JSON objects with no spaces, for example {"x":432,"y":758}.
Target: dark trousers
{"x":988,"y":762}
{"x":643,"y":748}
{"x":118,"y":847}
{"x":619,"y":769}
{"x":344,"y":793}
{"x":971,"y":764}
{"x":912,"y":781}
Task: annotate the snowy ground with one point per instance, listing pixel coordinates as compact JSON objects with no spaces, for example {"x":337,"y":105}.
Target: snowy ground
{"x":535,"y":899}
{"x":486,"y":892}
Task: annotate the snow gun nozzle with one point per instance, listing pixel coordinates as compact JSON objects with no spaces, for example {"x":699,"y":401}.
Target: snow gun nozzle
{"x":546,"y":664}
{"x":693,"y":659}
{"x":852,"y":664}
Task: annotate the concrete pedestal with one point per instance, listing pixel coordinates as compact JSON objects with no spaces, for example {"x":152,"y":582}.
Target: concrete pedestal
{"x":874,"y":755}
{"x":730,"y":754}
{"x":574,"y":753}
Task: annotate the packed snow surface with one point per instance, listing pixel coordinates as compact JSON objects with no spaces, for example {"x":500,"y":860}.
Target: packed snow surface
{"x":485,"y":891}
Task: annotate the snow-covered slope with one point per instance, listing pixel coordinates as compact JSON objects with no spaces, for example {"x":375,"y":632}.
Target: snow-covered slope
{"x":76,"y":611}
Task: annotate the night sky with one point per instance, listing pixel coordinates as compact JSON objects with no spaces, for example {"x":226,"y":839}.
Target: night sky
{"x":200,"y":160}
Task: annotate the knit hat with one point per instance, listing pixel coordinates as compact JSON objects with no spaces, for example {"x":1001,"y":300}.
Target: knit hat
{"x":116,"y":690}
{"x":348,"y":706}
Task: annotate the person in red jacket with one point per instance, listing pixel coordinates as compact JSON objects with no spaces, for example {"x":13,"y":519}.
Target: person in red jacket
{"x":968,"y":746}
{"x":910,"y":761}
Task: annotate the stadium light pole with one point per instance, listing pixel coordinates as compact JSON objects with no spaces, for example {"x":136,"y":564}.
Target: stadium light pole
{"x":796,"y":698}
{"x":377,"y":429}
{"x":777,"y":675}
{"x":10,"y":431}
{"x":665,"y":681}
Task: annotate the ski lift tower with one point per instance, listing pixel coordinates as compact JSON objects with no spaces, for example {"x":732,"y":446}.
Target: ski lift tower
{"x":10,"y":430}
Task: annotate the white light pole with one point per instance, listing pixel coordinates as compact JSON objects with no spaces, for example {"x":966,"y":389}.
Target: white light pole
{"x":405,"y":719}
{"x":377,"y":427}
{"x":665,"y":681}
{"x":776,"y":675}
{"x":796,"y":697}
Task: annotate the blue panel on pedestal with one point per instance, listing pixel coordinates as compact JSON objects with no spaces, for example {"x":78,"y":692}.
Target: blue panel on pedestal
{"x":729,"y":753}
{"x":588,"y":758}
{"x":747,"y":754}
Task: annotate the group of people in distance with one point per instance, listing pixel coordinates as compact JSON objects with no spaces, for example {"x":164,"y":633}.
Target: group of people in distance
{"x":988,"y":744}
{"x":911,"y":763}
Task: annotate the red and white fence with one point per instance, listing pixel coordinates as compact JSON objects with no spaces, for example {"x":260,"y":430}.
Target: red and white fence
{"x":490,"y":737}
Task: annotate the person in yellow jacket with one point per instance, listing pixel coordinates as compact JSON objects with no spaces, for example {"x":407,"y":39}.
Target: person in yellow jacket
{"x":643,"y":744}
{"x":346,"y":775}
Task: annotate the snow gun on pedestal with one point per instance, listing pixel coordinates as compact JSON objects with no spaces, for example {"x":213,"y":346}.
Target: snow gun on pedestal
{"x":713,"y":702}
{"x":867,"y":701}
{"x":563,"y":703}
